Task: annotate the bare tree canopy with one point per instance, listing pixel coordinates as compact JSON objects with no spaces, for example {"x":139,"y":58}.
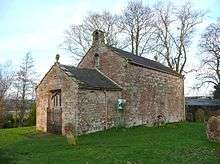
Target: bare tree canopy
{"x":175,"y":27}
{"x":164,"y":30}
{"x":210,"y":48}
{"x":132,"y":30}
{"x":137,"y":24}
{"x":78,"y":37}
{"x":6,"y":79}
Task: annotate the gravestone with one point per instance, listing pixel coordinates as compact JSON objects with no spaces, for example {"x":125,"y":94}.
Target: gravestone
{"x":213,"y":128}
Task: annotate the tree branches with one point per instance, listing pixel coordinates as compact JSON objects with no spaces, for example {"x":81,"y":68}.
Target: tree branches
{"x":137,"y":24}
{"x":6,"y":79}
{"x":164,"y":30}
{"x":210,"y":48}
{"x":132,"y":29}
{"x":175,"y":28}
{"x":25,"y":83}
{"x":78,"y":37}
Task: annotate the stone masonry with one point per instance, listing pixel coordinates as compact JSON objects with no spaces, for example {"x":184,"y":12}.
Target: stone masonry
{"x":56,"y":79}
{"x":150,"y":92}
{"x":88,"y":110}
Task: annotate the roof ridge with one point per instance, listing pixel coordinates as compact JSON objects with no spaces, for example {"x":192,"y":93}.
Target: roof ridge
{"x":76,"y":67}
{"x":142,"y":61}
{"x":141,"y":57}
{"x":137,"y":55}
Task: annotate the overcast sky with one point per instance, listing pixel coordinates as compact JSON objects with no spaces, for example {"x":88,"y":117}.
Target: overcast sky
{"x":38,"y":26}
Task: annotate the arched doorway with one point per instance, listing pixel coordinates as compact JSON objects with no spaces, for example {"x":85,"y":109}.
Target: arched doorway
{"x":54,"y":112}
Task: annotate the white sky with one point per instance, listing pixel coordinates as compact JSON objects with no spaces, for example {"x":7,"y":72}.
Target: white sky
{"x":38,"y":26}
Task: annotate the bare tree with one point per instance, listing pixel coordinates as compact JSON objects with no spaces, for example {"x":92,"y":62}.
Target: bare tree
{"x":209,"y":72}
{"x":163,"y":48}
{"x":175,"y":27}
{"x":25,"y":84}
{"x":6,"y":79}
{"x":78,"y":38}
{"x":133,"y":29}
{"x":137,"y":24}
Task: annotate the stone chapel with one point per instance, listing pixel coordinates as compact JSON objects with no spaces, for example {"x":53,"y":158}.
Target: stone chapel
{"x":110,"y":87}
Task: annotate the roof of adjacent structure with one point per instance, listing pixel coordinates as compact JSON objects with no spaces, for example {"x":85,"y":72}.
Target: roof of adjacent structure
{"x":90,"y":78}
{"x":202,"y":102}
{"x":144,"y":62}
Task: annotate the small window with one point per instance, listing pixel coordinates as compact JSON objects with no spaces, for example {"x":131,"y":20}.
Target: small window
{"x":56,"y":98}
{"x":96,"y":59}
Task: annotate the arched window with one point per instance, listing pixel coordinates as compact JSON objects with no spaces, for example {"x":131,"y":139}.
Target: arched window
{"x":96,"y":59}
{"x":56,"y":98}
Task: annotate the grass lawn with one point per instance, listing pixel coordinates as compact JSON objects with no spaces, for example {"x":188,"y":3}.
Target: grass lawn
{"x":173,"y":143}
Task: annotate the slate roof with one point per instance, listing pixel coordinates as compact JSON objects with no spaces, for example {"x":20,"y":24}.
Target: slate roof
{"x":144,"y":62}
{"x":89,"y":78}
{"x":202,"y":102}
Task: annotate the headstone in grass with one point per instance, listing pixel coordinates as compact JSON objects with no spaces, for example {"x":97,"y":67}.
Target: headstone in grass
{"x":70,"y":134}
{"x":213,"y":128}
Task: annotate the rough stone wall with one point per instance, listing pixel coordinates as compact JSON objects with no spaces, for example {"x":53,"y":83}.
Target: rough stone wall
{"x":56,"y":79}
{"x":201,"y":114}
{"x":97,"y":110}
{"x":110,"y":64}
{"x":148,"y":93}
{"x":215,"y":113}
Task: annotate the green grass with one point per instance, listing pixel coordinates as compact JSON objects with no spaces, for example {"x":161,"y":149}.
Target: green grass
{"x":173,"y":143}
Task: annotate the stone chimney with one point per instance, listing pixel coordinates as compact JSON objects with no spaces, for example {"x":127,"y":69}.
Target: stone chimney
{"x":98,"y":38}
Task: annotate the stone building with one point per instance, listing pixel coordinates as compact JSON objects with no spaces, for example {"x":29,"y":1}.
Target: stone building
{"x":200,"y":109}
{"x":109,"y":87}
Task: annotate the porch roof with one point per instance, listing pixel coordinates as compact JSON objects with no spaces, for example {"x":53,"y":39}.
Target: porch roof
{"x":90,"y":78}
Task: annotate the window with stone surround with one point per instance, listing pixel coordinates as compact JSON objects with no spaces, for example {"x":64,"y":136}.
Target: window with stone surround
{"x":56,"y":98}
{"x":96,"y":60}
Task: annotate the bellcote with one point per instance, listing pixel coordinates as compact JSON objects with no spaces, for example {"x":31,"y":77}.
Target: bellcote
{"x":57,"y":59}
{"x":98,"y":38}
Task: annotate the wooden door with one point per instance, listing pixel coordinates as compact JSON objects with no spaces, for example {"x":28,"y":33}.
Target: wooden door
{"x":54,"y":113}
